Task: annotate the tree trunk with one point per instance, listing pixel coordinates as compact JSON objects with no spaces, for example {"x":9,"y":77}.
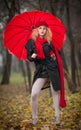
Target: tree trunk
{"x":57,"y":8}
{"x":24,"y":73}
{"x":69,"y":32}
{"x":69,"y":81}
{"x":64,"y":61}
{"x":7,"y":68}
{"x":29,"y":75}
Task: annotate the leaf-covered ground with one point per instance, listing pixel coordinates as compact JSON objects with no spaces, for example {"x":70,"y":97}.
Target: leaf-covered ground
{"x":15,"y":110}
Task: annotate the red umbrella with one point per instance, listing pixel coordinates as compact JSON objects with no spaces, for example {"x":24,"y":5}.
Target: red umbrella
{"x":18,"y":31}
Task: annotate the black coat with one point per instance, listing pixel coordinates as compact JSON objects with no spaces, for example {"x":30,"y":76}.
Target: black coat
{"x":47,"y":67}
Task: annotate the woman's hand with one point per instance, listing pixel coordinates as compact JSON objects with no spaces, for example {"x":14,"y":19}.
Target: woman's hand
{"x":34,"y":55}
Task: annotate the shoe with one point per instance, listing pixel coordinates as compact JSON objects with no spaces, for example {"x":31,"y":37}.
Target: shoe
{"x":57,"y":120}
{"x":33,"y":121}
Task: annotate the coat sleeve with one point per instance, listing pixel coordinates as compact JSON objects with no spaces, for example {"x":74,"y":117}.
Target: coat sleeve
{"x":30,"y":50}
{"x":52,"y":48}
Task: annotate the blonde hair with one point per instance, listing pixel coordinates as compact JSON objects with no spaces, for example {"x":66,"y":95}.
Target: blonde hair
{"x":47,"y":36}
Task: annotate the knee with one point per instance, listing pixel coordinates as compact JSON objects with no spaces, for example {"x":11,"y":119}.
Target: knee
{"x":34,"y":96}
{"x":56,"y":92}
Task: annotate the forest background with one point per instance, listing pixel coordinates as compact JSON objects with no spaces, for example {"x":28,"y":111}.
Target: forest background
{"x":18,"y":74}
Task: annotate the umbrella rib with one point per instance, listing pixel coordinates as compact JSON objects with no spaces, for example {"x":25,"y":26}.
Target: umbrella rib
{"x":46,"y":18}
{"x":53,"y":24}
{"x":14,"y":28}
{"x":57,"y":25}
{"x":18,"y":26}
{"x":42,"y":16}
{"x":21,"y":53}
{"x":29,"y":18}
{"x":58,"y":33}
{"x":35,"y":17}
{"x":40,"y":19}
{"x":55,"y":41}
{"x":22,"y":49}
{"x":13,"y":36}
{"x":16,"y":44}
{"x":25,"y":43}
{"x":23,"y":19}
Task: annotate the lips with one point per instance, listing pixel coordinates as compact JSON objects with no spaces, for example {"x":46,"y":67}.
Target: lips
{"x":42,"y":32}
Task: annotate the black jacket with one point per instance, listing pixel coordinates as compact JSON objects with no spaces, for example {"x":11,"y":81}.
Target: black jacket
{"x":49,"y":63}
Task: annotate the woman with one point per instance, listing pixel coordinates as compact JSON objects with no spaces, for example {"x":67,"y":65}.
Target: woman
{"x":48,"y":65}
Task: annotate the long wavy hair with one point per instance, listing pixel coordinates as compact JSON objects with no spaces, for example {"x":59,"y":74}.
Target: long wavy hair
{"x":47,"y":36}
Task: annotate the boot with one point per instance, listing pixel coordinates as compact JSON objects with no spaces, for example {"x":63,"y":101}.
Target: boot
{"x":33,"y":121}
{"x":57,"y":120}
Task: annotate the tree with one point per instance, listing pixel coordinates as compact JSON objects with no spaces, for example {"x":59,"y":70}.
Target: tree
{"x":70,"y":35}
{"x":13,"y":8}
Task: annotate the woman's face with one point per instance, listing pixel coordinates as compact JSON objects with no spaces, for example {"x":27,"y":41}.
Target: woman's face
{"x":42,"y":30}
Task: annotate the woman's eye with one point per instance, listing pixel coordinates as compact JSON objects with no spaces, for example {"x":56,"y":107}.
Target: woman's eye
{"x":40,"y":28}
{"x":44,"y":28}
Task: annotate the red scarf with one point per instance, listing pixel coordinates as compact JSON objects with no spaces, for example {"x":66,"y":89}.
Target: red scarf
{"x":39,"y":50}
{"x":39,"y":47}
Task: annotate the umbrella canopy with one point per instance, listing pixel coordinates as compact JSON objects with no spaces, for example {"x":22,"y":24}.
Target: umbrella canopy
{"x":19,"y":29}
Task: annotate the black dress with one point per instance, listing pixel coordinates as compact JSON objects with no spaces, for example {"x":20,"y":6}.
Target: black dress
{"x":47,"y":68}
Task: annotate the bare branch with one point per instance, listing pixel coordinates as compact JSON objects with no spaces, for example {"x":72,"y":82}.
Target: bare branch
{"x":6,"y":3}
{"x":33,"y":5}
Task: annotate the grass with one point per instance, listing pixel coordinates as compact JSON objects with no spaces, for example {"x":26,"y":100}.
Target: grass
{"x":16,"y":78}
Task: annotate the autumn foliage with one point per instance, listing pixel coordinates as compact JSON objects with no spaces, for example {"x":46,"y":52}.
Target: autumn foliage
{"x":15,"y":110}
